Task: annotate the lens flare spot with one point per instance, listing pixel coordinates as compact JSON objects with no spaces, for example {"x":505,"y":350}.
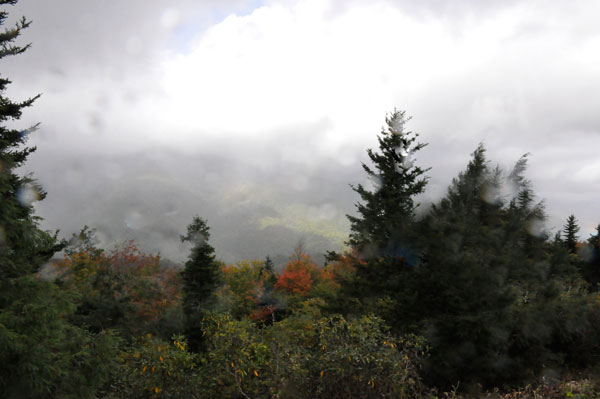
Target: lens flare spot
{"x":28,"y":194}
{"x":170,"y":18}
{"x":536,"y":228}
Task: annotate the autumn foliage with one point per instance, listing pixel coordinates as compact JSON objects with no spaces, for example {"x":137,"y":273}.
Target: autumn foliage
{"x":299,"y":274}
{"x":125,"y":284}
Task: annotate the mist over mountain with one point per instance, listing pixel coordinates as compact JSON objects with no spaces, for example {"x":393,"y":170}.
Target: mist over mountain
{"x":254,"y":208}
{"x":256,"y":114}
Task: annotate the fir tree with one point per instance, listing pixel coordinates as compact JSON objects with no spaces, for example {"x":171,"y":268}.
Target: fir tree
{"x":491,"y":303}
{"x":461,"y":296}
{"x":385,"y":213}
{"x":23,"y":246}
{"x":41,"y":354}
{"x":571,"y":228}
{"x":382,"y":234}
{"x":201,"y":276}
{"x":268,"y":273}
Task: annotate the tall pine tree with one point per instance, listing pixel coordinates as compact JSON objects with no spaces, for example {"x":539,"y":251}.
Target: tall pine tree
{"x":201,"y":277}
{"x":23,"y":246}
{"x":491,"y":303}
{"x":382,"y":232}
{"x":386,"y":212}
{"x":41,"y":354}
{"x":570,"y":230}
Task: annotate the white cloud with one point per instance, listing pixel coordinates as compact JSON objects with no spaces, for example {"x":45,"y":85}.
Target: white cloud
{"x":520,"y":76}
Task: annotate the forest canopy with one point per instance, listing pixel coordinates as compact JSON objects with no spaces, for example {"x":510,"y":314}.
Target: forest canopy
{"x":470,"y":295}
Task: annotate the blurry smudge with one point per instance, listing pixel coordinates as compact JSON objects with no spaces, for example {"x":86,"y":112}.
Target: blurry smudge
{"x":2,"y":235}
{"x":134,"y":220}
{"x":492,"y":195}
{"x":376,"y":182}
{"x":28,"y":194}
{"x":397,"y":126}
{"x":170,"y":18}
{"x":585,"y":253}
{"x":48,"y":271}
{"x":536,"y":227}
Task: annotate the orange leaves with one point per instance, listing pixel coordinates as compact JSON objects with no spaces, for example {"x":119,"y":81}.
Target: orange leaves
{"x":126,"y":275}
{"x":299,"y":274}
{"x":295,"y":282}
{"x":262,"y":313}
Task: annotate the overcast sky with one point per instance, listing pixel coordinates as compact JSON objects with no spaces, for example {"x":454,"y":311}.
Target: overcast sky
{"x":258,"y":113}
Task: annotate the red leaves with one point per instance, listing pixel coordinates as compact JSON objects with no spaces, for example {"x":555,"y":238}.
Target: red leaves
{"x":129,"y":274}
{"x":295,"y":282}
{"x":299,"y":274}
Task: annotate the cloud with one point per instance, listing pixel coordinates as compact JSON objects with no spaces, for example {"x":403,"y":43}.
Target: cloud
{"x":200,"y":100}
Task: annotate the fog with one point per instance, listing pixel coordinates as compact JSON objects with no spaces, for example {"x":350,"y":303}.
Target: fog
{"x":255,"y":115}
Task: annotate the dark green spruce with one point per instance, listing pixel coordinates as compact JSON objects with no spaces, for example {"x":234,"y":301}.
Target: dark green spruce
{"x":570,"y":230}
{"x":386,"y":212}
{"x":41,"y":354}
{"x":201,"y":277}
{"x":382,"y":233}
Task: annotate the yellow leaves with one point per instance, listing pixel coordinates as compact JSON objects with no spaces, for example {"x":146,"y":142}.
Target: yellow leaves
{"x":159,"y":348}
{"x":180,"y":345}
{"x":161,"y":358}
{"x":144,"y":369}
{"x":232,"y":365}
{"x":322,"y":371}
{"x":156,"y":389}
{"x":136,"y":355}
{"x":256,"y":373}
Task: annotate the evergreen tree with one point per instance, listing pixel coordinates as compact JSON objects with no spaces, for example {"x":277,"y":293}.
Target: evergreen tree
{"x":571,"y":228}
{"x":41,"y":354}
{"x":462,"y":298}
{"x":382,"y":234}
{"x":201,"y":276}
{"x":385,"y":213}
{"x":23,"y":246}
{"x":490,"y":304}
{"x":268,"y":273}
